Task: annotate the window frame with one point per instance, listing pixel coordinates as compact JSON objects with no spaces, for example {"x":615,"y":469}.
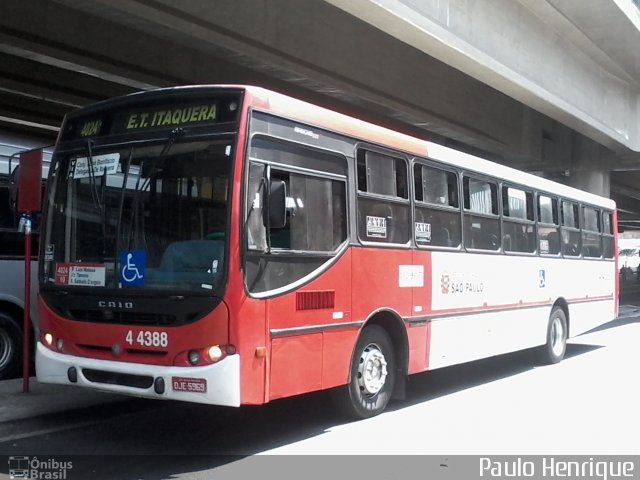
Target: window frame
{"x":287,"y":168}
{"x":574,"y":229}
{"x":608,"y":235}
{"x":424,"y":162}
{"x":362,"y":148}
{"x":530,"y":196}
{"x":539,"y":222}
{"x":305,"y":173}
{"x":583,"y":230}
{"x":468,"y":175}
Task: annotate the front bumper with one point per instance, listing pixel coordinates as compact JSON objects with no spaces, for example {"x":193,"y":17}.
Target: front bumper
{"x":222,"y":378}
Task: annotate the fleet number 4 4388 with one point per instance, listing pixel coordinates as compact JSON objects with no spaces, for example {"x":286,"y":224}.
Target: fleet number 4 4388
{"x":147,"y":338}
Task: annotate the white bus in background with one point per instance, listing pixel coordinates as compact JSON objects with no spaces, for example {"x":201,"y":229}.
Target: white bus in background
{"x":12,"y":259}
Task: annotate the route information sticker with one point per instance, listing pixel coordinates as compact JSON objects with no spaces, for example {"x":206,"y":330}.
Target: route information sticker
{"x":99,"y":165}
{"x":80,"y":274}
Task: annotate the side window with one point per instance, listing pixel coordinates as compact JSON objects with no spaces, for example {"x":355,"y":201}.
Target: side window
{"x":382,"y":174}
{"x":383,"y":198}
{"x":481,"y":220}
{"x":518,"y":233}
{"x":305,"y":230}
{"x":591,"y":233}
{"x":315,"y":205}
{"x":437,"y":210}
{"x":570,"y":229}
{"x":548,"y":225}
{"x":607,"y":235}
{"x":547,"y":210}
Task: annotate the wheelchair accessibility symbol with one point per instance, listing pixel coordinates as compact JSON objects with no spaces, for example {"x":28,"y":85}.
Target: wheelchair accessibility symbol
{"x":132,"y":266}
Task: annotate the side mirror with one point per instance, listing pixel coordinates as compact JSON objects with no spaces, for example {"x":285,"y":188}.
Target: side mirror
{"x":277,"y":206}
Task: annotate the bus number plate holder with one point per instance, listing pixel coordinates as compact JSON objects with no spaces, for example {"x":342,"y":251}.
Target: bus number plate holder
{"x":185,"y":384}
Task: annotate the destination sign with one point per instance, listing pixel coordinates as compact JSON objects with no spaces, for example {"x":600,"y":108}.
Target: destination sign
{"x":152,"y":118}
{"x":155,"y":114}
{"x":91,"y":128}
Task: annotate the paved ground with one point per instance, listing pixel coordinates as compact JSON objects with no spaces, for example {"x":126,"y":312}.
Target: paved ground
{"x":45,"y":399}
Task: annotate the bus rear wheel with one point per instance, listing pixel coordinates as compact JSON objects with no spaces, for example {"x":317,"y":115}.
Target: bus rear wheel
{"x":557,"y":332}
{"x":372,"y":375}
{"x":10,"y":346}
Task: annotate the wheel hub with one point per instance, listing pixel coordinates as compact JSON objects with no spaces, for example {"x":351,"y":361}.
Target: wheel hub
{"x":372,"y":370}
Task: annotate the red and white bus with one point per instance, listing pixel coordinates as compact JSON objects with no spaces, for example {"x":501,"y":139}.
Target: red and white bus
{"x":230,"y":245}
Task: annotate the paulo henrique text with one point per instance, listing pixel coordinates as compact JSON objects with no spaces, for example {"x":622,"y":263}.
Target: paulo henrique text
{"x":550,"y":467}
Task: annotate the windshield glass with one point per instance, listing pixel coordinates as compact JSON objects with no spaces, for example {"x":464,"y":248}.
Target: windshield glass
{"x":143,"y":216}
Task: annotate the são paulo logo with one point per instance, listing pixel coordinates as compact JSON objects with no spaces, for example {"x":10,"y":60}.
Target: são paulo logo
{"x":460,"y":283}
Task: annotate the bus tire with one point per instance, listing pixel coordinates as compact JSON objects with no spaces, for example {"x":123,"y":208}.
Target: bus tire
{"x":557,"y":332}
{"x":372,"y":375}
{"x":10,"y":346}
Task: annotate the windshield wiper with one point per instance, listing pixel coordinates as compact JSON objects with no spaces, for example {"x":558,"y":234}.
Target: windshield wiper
{"x":125,"y":178}
{"x":175,"y":133}
{"x":140,"y":188}
{"x":98,"y":197}
{"x":92,"y":179}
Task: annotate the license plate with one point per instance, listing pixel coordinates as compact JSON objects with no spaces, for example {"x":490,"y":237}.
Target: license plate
{"x":183,"y":384}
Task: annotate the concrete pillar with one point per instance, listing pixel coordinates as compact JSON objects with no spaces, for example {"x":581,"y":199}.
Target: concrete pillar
{"x":589,"y":166}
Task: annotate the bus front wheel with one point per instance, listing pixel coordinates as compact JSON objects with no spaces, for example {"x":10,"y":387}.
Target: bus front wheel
{"x":10,"y":346}
{"x":372,"y":375}
{"x":557,"y":333}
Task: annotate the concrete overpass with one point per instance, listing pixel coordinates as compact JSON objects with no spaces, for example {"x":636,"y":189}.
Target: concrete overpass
{"x":549,"y":86}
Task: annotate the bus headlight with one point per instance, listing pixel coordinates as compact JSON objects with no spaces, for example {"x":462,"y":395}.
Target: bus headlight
{"x":48,"y":339}
{"x":215,"y":353}
{"x":60,"y":345}
{"x":203,"y":356}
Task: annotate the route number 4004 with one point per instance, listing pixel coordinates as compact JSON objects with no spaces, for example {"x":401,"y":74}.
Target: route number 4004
{"x":148,"y":339}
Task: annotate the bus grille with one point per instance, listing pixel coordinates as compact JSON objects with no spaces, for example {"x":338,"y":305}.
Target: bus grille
{"x":151,"y":310}
{"x":113,"y":378}
{"x":126,"y":318}
{"x":130,"y":351}
{"x":315,"y":300}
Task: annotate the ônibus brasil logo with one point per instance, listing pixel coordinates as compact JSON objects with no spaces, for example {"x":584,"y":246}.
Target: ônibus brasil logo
{"x":38,"y":469}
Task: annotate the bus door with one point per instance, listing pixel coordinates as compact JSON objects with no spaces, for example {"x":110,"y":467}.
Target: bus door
{"x":298,"y":260}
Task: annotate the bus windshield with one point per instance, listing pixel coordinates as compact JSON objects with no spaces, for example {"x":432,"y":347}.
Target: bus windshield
{"x":142,"y":216}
